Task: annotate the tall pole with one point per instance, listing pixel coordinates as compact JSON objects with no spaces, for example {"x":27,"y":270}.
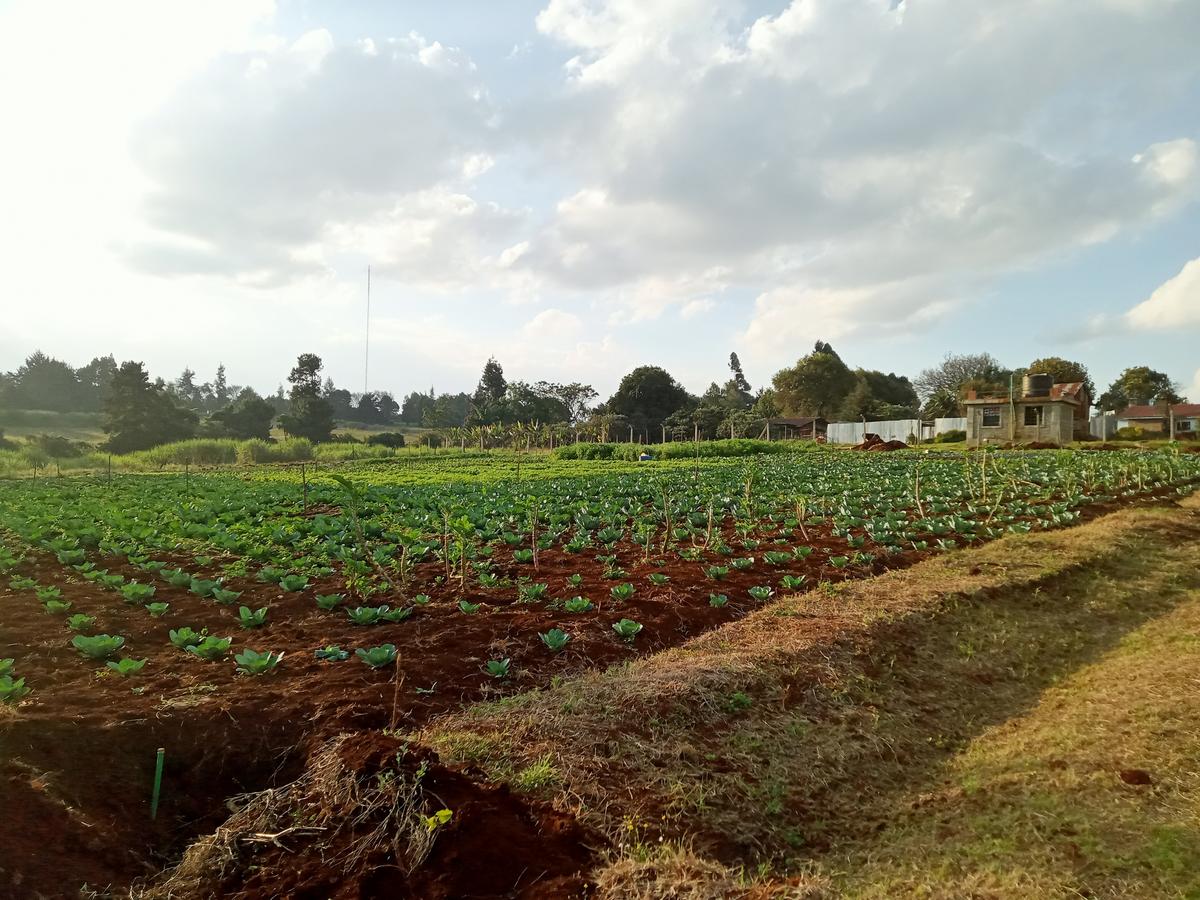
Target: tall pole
{"x":367,"y":346}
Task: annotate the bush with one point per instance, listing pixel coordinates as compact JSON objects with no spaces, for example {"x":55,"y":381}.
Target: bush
{"x":1129,"y":433}
{"x":393,"y":439}
{"x":953,"y":436}
{"x":681,"y":449}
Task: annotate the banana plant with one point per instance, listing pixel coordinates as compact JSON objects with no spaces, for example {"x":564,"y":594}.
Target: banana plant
{"x":252,"y":662}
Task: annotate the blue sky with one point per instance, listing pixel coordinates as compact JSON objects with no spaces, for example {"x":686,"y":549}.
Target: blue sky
{"x":578,"y":187}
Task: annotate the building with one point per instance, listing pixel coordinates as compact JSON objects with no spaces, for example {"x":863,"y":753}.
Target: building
{"x":803,"y":428}
{"x":1043,"y":412}
{"x":1158,"y":419}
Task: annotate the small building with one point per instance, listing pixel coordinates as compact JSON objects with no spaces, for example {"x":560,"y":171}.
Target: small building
{"x":1043,"y":412}
{"x":802,"y":428}
{"x":1158,"y":419}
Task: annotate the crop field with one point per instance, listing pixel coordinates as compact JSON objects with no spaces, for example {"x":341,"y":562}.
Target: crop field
{"x":240,"y":618}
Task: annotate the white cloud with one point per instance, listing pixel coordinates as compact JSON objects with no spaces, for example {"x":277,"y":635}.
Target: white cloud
{"x":1174,"y":304}
{"x":698,"y":307}
{"x":268,"y":153}
{"x":1193,"y":392}
{"x":842,"y":147}
{"x":553,"y":325}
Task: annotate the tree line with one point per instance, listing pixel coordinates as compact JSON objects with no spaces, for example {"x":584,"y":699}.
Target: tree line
{"x":649,"y":404}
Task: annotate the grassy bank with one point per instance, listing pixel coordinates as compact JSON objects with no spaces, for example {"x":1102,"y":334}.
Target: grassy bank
{"x":965,"y":722}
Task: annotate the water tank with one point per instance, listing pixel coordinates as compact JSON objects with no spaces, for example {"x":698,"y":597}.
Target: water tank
{"x":1038,"y":385}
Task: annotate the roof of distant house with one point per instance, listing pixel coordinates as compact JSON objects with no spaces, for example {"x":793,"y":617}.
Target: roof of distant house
{"x":1183,"y":410}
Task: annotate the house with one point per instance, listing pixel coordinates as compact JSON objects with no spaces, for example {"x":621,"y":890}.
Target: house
{"x":1043,"y":412}
{"x":1157,"y":419}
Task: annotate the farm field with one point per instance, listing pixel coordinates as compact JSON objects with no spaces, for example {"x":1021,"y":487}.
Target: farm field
{"x":242,"y":619}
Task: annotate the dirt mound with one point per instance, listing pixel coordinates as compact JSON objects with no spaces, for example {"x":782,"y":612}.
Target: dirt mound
{"x":873,"y":441}
{"x":371,"y":817}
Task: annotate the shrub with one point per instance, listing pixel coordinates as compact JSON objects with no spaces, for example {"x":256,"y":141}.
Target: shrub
{"x":954,"y":436}
{"x":393,"y":439}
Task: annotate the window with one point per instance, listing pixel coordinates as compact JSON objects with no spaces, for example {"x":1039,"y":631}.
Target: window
{"x":1033,"y":415}
{"x":991,"y":417}
{"x":1183,"y":425}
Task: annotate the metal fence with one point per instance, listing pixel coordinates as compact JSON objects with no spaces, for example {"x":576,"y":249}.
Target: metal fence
{"x":894,"y":430}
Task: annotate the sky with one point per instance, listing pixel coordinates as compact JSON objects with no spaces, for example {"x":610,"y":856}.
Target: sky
{"x":578,"y":187}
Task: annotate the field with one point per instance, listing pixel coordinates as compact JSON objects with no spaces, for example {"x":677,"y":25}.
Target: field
{"x":316,"y":631}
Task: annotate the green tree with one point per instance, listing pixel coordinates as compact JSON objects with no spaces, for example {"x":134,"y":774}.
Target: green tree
{"x":880,"y":396}
{"x":816,"y":386}
{"x":309,"y":415}
{"x":1139,"y":386}
{"x":944,"y":387}
{"x":1064,"y":371}
{"x":249,"y":416}
{"x":43,"y":382}
{"x":94,"y":379}
{"x":646,"y":397}
{"x":140,"y":415}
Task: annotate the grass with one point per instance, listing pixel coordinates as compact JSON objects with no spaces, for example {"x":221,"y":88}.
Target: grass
{"x":959,"y":723}
{"x":75,"y":426}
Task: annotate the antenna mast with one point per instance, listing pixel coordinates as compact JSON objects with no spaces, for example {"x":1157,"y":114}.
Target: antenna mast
{"x":367,"y":344}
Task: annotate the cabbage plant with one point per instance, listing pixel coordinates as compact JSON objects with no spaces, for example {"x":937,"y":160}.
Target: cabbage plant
{"x":251,"y":662}
{"x":377,"y":657}
{"x":12,"y":690}
{"x":627,"y":628}
{"x":211,"y":648}
{"x":126,"y":666}
{"x":100,"y":646}
{"x":555,"y":639}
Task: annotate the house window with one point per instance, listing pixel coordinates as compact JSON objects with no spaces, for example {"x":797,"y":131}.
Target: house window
{"x":1033,"y":415}
{"x":991,"y":417}
{"x":1183,"y":425}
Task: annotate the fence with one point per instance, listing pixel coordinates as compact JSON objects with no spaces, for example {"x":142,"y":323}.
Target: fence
{"x":894,"y":430}
{"x":1103,"y":426}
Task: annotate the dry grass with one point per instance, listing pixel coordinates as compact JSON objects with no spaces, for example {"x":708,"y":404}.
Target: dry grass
{"x":788,"y":737}
{"x":381,"y":810}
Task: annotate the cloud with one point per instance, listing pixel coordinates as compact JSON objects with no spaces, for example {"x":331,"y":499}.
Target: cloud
{"x":1193,"y":392}
{"x":269,"y":158}
{"x":842,"y":147}
{"x":694,"y":308}
{"x":1174,"y":304}
{"x":553,"y":325}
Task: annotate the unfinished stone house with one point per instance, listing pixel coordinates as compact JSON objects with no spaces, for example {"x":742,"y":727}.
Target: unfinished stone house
{"x":1042,"y":412}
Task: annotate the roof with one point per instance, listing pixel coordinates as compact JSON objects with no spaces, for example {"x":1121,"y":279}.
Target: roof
{"x":1183,"y":410}
{"x":1067,"y":392}
{"x":1021,"y":401}
{"x":797,"y":421}
{"x":1073,"y":389}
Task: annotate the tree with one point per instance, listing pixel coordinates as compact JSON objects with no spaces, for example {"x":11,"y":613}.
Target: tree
{"x":1139,"y":386}
{"x":1064,"y":371}
{"x":310,"y":415}
{"x":492,"y":385}
{"x":43,"y":382}
{"x":738,"y":394}
{"x":94,"y":379}
{"x":220,"y":387}
{"x":647,"y":396}
{"x":954,"y":376}
{"x":880,"y":396}
{"x":249,"y":416}
{"x":816,"y":386}
{"x":140,"y":415}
